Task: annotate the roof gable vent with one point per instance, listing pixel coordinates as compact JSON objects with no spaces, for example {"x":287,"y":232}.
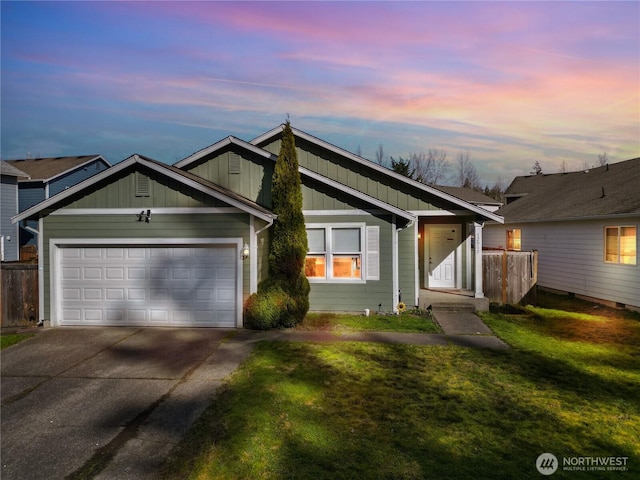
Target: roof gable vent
{"x":234,"y":163}
{"x":143,"y":185}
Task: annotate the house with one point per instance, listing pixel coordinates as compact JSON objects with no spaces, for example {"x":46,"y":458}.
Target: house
{"x":47,"y":177}
{"x":9,"y":246}
{"x":584,"y":226}
{"x":144,"y":243}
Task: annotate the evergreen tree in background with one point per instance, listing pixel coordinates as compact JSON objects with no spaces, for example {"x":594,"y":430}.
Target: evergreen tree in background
{"x":282,"y":299}
{"x":403,"y":167}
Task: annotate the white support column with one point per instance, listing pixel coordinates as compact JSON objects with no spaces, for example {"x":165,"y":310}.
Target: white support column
{"x":394,"y":265}
{"x":253,"y":256}
{"x":416,"y":281}
{"x":477,"y":227}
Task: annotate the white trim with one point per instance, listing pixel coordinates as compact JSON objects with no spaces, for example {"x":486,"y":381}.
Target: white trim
{"x":253,"y":256}
{"x":40,"y":269}
{"x":469,"y":263}
{"x":416,"y":280}
{"x":329,"y":254}
{"x":439,"y":213}
{"x":154,"y":211}
{"x":394,"y":266}
{"x":55,"y":244}
{"x":334,"y":213}
{"x":479,"y":292}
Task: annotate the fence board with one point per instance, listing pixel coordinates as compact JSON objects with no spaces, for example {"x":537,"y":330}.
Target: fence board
{"x":18,"y":294}
{"x":510,"y":277}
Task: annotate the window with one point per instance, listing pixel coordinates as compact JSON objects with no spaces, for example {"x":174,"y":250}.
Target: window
{"x":620,"y":245}
{"x":336,"y":253}
{"x":514,"y":239}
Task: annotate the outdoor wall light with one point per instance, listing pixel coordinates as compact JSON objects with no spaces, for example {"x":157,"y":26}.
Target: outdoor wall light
{"x":245,"y":252}
{"x":144,"y":216}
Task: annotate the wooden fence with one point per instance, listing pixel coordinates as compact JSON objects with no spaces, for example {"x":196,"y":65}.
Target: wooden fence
{"x":18,"y":294}
{"x":510,"y":277}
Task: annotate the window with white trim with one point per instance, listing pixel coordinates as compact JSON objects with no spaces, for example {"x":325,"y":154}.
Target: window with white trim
{"x":620,"y":245}
{"x":337,"y":253}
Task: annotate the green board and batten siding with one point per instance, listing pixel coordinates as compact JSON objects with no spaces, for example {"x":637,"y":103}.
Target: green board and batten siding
{"x":163,"y":193}
{"x":342,"y":296}
{"x":356,"y":176}
{"x":241,"y":172}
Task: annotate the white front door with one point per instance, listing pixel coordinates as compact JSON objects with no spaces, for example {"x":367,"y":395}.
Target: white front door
{"x":440,"y":255}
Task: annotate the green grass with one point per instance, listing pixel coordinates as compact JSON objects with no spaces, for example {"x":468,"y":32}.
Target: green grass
{"x":405,"y":322}
{"x":12,"y":339}
{"x":569,"y":385}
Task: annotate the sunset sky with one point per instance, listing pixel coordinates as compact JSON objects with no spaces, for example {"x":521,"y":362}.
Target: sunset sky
{"x":510,"y":83}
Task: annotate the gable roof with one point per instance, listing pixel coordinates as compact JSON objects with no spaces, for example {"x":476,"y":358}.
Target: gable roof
{"x":47,"y":169}
{"x":181,"y":176}
{"x":11,"y":171}
{"x":610,"y":190}
{"x":374,"y":166}
{"x":230,"y":140}
{"x":303,"y":171}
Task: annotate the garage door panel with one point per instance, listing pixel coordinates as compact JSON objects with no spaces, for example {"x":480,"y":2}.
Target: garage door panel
{"x":71,"y":273}
{"x":149,"y":286}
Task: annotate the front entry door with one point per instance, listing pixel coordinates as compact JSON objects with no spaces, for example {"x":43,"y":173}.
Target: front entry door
{"x":441,"y":255}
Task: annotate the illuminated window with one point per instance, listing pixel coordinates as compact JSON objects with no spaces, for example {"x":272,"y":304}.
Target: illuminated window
{"x":335,"y":253}
{"x":514,"y":239}
{"x":316,"y":263}
{"x":620,"y":245}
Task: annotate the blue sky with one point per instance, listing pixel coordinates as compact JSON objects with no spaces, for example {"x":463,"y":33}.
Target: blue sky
{"x":510,"y":83}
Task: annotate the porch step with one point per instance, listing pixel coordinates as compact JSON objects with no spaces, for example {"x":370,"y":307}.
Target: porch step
{"x":453,"y":307}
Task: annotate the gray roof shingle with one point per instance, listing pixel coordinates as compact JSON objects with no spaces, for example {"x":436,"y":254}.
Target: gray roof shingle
{"x":598,"y":192}
{"x":47,"y":168}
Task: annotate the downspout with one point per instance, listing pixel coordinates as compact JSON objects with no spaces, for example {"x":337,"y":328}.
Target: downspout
{"x":253,"y":258}
{"x":40,"y":267}
{"x":395,"y":261}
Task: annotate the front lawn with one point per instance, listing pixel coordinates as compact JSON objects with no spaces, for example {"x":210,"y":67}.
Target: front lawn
{"x":6,"y":340}
{"x":569,"y":386}
{"x":417,"y":321}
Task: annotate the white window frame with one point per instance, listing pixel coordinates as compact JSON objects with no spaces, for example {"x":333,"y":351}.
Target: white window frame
{"x":329,"y":254}
{"x":619,"y":253}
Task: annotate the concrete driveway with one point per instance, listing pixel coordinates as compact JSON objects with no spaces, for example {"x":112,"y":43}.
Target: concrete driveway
{"x":115,"y":398}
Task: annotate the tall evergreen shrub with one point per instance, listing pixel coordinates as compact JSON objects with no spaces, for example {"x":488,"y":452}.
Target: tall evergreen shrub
{"x":282,"y":299}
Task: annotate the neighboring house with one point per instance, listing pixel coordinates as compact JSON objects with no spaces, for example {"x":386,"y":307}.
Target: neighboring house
{"x":9,"y":245}
{"x":584,"y":226}
{"x":47,"y":177}
{"x":144,"y":243}
{"x":472,"y":196}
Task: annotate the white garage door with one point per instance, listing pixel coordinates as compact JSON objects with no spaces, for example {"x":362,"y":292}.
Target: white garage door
{"x":153,"y":286}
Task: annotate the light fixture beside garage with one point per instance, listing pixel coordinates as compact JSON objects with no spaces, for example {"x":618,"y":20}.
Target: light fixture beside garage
{"x":144,"y":216}
{"x":245,"y":252}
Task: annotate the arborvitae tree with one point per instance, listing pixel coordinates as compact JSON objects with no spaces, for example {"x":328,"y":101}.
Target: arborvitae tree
{"x":289,"y":241}
{"x":282,"y":299}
